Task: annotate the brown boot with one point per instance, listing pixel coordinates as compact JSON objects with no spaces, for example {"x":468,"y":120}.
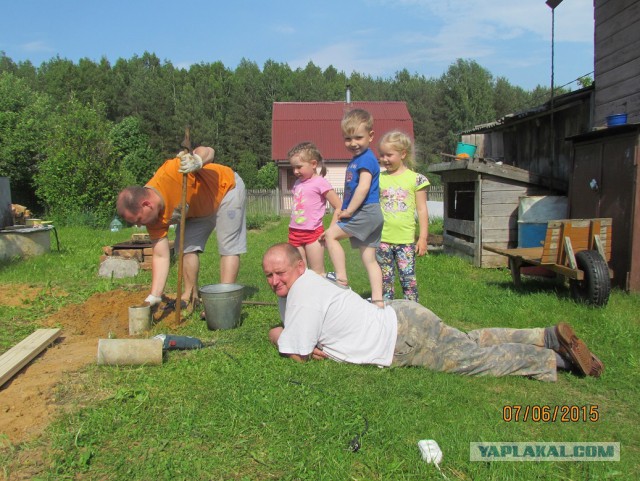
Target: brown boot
{"x":597,"y":366}
{"x":574,"y":349}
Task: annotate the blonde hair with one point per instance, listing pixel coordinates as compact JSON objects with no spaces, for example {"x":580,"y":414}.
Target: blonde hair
{"x":354,"y":119}
{"x":400,"y":142}
{"x":308,"y":152}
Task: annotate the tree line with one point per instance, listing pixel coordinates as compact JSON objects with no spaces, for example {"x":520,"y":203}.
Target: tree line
{"x":73,"y":134}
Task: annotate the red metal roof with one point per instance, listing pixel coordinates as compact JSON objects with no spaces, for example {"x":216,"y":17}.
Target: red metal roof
{"x":319,"y":122}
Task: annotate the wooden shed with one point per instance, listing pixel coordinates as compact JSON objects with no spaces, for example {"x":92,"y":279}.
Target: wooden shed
{"x":606,"y":183}
{"x":605,"y":178}
{"x":617,"y":60}
{"x":566,"y":141}
{"x":481,"y":201}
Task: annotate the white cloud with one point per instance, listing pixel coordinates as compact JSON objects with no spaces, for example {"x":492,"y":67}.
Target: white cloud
{"x":503,"y":35}
{"x":37,"y":46}
{"x":284,"y":29}
{"x":506,"y":18}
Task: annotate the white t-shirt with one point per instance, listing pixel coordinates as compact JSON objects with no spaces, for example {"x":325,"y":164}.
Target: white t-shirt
{"x":317,"y":312}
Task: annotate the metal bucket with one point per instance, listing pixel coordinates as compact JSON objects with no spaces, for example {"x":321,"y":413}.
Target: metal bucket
{"x":139,"y":319}
{"x":222,"y":305}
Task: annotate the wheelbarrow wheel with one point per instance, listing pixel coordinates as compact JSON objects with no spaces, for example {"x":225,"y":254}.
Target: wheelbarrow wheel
{"x":596,"y":286}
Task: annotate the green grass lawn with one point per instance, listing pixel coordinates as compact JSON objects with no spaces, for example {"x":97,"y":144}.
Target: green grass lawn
{"x":238,"y":411}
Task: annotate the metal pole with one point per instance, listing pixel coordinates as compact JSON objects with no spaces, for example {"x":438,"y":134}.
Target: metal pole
{"x":552,"y":126}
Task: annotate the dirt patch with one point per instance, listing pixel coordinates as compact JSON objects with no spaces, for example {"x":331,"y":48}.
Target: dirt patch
{"x":17,"y":295}
{"x":27,"y":401}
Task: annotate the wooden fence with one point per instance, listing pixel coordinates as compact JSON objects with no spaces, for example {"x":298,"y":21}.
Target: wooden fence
{"x":274,"y":202}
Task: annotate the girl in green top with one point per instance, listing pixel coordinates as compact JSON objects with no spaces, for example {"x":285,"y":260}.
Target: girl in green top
{"x":403,"y":192}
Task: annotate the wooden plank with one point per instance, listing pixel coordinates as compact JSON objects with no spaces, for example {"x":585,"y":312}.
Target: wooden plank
{"x":22,"y":353}
{"x":611,"y":22}
{"x":619,"y":81}
{"x":579,"y":232}
{"x":452,"y":175}
{"x":624,"y":54}
{"x":500,"y":210}
{"x":605,"y":10}
{"x":503,"y":197}
{"x":490,"y":260}
{"x":452,"y":243}
{"x":616,"y":93}
{"x":510,"y":222}
{"x":505,"y":236}
{"x":515,"y":173}
{"x":464,"y":227}
{"x":531,"y":255}
{"x":628,"y":103}
{"x":525,"y":253}
{"x":458,"y":253}
{"x":490,"y":185}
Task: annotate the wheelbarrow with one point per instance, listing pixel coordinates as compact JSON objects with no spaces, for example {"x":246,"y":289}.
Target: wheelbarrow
{"x":578,"y":249}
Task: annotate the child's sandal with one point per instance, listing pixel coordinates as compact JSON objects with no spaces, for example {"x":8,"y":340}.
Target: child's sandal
{"x":332,"y":277}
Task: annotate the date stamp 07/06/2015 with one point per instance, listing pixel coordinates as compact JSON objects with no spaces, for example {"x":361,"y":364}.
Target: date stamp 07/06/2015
{"x":546,"y":413}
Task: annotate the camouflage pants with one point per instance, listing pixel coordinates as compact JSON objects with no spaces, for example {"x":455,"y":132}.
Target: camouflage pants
{"x":424,"y":340}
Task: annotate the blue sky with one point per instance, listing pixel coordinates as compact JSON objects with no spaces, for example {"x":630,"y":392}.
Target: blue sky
{"x":510,"y":38}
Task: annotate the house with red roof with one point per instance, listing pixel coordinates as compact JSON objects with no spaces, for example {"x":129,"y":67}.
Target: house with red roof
{"x":319,"y":122}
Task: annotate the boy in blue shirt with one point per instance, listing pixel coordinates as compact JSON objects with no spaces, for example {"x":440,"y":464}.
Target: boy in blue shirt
{"x":360,"y":218}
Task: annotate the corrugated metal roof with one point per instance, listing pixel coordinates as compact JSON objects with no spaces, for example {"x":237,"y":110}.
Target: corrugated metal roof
{"x":319,"y":122}
{"x":559,"y":102}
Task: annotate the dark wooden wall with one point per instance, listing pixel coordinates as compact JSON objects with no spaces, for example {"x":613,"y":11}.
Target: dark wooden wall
{"x":617,"y":59}
{"x":531,"y":143}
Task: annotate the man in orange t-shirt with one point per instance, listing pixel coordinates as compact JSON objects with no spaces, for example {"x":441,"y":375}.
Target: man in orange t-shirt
{"x":216,"y":199}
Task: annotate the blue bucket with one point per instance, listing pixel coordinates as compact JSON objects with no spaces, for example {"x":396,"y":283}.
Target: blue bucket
{"x":616,"y":119}
{"x":468,"y":149}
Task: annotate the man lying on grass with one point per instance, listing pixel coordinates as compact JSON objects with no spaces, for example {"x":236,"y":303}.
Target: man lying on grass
{"x":322,"y":319}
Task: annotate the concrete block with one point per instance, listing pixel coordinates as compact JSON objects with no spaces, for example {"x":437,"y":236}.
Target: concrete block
{"x":119,"y":267}
{"x":21,"y":241}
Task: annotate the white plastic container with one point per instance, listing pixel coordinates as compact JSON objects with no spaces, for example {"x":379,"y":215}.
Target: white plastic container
{"x":430,"y":451}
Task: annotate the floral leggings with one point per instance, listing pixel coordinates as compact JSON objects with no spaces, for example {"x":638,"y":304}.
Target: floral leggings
{"x":404,"y":256}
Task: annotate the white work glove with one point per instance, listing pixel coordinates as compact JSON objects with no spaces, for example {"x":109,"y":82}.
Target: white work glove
{"x":189,"y":162}
{"x":153,"y":300}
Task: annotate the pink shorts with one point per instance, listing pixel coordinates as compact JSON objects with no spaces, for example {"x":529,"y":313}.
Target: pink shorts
{"x":299,"y":237}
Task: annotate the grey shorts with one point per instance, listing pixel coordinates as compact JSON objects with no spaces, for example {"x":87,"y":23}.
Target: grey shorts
{"x":365,"y":227}
{"x":230,"y":222}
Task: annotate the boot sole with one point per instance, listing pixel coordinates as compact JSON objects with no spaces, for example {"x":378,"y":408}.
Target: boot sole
{"x":575,"y":348}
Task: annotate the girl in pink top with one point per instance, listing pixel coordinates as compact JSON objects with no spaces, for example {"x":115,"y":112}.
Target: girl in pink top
{"x":310,"y":195}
